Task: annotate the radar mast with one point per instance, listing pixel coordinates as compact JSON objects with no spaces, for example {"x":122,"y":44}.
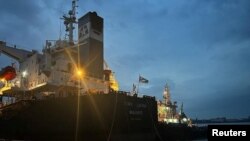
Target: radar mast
{"x":70,"y":20}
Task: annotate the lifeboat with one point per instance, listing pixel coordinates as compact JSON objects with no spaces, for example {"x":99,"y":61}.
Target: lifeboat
{"x":8,"y":73}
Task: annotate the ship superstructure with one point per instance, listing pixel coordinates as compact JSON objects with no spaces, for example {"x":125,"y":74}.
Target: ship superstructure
{"x":64,"y":66}
{"x":167,"y":112}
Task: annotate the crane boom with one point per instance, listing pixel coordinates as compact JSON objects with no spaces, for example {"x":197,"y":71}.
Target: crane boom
{"x":13,"y":52}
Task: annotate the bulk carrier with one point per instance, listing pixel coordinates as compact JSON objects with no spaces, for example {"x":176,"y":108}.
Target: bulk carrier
{"x":68,"y":92}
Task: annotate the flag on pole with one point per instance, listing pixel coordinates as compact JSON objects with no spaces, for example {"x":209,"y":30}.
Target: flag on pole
{"x":142,"y":79}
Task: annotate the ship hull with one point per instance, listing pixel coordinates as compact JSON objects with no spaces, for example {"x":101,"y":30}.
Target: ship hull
{"x":100,"y":117}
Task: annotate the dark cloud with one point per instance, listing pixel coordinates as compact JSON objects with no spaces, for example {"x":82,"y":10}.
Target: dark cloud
{"x":21,"y":20}
{"x":27,"y":11}
{"x":220,"y":21}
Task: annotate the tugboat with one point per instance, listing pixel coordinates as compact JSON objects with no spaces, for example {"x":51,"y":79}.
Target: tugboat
{"x":68,"y":92}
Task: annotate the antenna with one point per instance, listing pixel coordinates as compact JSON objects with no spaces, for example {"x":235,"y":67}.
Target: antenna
{"x":60,"y":27}
{"x":70,"y":20}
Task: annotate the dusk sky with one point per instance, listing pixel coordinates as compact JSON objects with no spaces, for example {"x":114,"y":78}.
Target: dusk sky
{"x":201,"y":48}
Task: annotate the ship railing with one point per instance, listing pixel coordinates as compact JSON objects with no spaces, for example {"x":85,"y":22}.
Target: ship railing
{"x":133,"y":95}
{"x":150,"y":97}
{"x":12,"y":45}
{"x":58,"y":44}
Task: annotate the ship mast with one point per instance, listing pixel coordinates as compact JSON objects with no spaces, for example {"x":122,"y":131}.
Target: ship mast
{"x":181,"y":110}
{"x":70,"y":20}
{"x":166,"y":95}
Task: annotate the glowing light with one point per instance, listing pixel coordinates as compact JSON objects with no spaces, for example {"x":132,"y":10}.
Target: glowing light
{"x":113,"y":82}
{"x":185,"y":119}
{"x":175,"y":120}
{"x":79,"y":72}
{"x":170,"y":120}
{"x":24,"y":73}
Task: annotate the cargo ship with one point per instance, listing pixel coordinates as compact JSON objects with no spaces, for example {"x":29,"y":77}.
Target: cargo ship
{"x":68,"y":92}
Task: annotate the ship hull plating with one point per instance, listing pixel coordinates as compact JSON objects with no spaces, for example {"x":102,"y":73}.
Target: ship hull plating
{"x":101,"y":117}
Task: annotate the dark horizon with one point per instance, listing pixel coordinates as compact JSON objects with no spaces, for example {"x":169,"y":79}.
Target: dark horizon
{"x":200,"y":48}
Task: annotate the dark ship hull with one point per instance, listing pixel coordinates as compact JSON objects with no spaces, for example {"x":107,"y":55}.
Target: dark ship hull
{"x":101,"y":117}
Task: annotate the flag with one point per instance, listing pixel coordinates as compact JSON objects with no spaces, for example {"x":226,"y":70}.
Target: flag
{"x":142,"y":79}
